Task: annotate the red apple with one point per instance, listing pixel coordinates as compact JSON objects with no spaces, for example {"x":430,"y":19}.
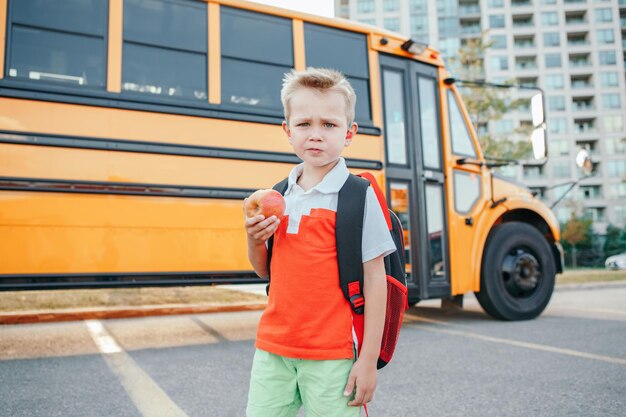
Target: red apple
{"x":266,"y":202}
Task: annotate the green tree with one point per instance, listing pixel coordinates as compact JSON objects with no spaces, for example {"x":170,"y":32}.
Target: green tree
{"x":615,"y":242}
{"x":485,"y":103}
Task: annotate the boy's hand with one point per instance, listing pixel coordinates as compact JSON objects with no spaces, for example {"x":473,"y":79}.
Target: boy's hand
{"x":363,"y":375}
{"x":259,"y":229}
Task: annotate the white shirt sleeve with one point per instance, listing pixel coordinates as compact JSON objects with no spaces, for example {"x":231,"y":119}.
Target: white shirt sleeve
{"x":376,"y":235}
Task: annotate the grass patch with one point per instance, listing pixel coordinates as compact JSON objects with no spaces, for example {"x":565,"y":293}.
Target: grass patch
{"x":579,"y":276}
{"x":119,"y":297}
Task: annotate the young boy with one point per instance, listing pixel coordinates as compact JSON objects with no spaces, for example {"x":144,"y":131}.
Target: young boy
{"x":305,"y":347}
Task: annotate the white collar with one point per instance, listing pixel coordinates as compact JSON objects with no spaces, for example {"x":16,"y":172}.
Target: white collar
{"x":331,"y":183}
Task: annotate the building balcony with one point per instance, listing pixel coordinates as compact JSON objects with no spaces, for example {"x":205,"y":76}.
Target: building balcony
{"x":469,"y":10}
{"x":575,"y":18}
{"x":470,"y":30}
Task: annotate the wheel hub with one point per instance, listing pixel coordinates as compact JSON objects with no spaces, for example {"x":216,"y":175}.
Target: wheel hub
{"x":522,"y":273}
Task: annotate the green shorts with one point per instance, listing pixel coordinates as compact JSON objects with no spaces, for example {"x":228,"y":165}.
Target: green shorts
{"x":279,"y":386}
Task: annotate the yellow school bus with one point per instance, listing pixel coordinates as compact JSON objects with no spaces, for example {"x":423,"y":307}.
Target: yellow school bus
{"x":131,"y":130}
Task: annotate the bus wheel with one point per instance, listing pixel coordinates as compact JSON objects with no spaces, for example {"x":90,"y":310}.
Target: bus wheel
{"x":517,"y":274}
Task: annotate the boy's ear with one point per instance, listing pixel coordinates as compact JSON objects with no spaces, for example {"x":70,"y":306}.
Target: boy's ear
{"x":351,"y":133}
{"x":287,"y":130}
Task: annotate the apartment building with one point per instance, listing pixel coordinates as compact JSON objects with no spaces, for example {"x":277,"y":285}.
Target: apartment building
{"x":573,"y":49}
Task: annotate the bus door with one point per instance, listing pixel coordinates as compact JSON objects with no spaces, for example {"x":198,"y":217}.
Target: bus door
{"x":415,"y":172}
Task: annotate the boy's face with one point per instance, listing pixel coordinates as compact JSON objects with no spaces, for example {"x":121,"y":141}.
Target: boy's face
{"x":318,"y":128}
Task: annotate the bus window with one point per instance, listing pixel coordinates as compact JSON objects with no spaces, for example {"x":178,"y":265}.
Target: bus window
{"x":466,"y":191}
{"x":58,"y":42}
{"x":348,"y":55}
{"x":434,"y":218}
{"x":399,"y":192}
{"x":257,"y":50}
{"x":428,"y":121}
{"x":461,"y":140}
{"x":395,"y":125}
{"x":165,"y":49}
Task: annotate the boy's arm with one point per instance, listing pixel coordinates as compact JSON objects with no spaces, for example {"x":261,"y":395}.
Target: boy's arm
{"x":363,"y":373}
{"x":258,"y":230}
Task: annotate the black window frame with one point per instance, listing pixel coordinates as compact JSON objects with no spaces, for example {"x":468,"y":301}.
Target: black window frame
{"x":102,"y":97}
{"x":43,"y":84}
{"x":249,"y":108}
{"x":364,"y":77}
{"x":154,"y":98}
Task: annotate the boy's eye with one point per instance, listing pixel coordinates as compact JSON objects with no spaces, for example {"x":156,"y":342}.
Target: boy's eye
{"x":329,"y":125}
{"x":303,"y":124}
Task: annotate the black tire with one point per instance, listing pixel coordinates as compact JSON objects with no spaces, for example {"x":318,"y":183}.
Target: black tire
{"x":517,"y":274}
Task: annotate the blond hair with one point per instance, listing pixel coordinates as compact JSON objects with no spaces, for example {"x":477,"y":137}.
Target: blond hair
{"x":322,"y":80}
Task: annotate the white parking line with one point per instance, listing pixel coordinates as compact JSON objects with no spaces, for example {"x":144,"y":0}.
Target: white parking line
{"x":527,"y":345}
{"x":147,"y":396}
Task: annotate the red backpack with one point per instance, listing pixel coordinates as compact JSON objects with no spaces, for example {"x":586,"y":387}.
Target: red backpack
{"x":349,"y":234}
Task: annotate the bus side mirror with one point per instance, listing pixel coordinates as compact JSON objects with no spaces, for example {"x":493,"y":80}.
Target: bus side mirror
{"x":538,"y":140}
{"x":536,"y":107}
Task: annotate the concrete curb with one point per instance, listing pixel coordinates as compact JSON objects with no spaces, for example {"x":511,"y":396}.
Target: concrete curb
{"x":121,"y":312}
{"x":590,"y":285}
{"x":48,"y":316}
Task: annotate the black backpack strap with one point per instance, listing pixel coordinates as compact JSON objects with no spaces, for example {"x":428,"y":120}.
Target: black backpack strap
{"x":349,"y":237}
{"x":281,"y":187}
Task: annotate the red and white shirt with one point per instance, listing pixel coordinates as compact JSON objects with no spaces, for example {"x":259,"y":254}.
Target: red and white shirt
{"x":307,"y":316}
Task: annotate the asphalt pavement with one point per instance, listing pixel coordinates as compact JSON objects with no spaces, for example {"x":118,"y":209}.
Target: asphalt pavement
{"x":571,"y":361}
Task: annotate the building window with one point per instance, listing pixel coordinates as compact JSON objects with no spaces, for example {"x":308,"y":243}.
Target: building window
{"x":615,"y":146}
{"x":495,"y":3}
{"x":58,"y":42}
{"x":253,"y":66}
{"x":590,"y":192}
{"x":368,"y":21}
{"x":353,"y":65}
{"x":549,"y":18}
{"x":392,"y":23}
{"x":612,"y":124}
{"x":553,"y":60}
{"x":605,"y":36}
{"x":498,"y":41}
{"x":596,"y":214}
{"x":558,"y":147}
{"x":533,"y":172}
{"x":611,"y":101}
{"x":500,"y":63}
{"x":556,"y":103}
{"x":604,"y":15}
{"x":418,"y":6}
{"x":419,"y":23}
{"x":617,"y":191}
{"x":551,"y":39}
{"x":548,"y":1}
{"x":390,"y":5}
{"x":560,"y":169}
{"x":607,"y":58}
{"x":365,"y":6}
{"x":557,"y":125}
{"x":496,"y":21}
{"x":554,"y":82}
{"x":616,"y":169}
{"x":448,"y":27}
{"x":609,"y":79}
